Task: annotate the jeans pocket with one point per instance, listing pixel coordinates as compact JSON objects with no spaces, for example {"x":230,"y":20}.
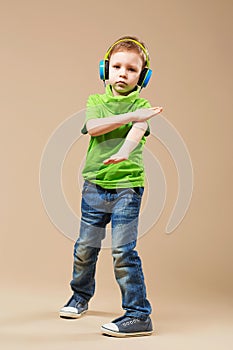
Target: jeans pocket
{"x":138,"y":191}
{"x":85,"y":187}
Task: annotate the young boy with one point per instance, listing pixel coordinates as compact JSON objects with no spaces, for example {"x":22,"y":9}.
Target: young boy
{"x":113,"y":187}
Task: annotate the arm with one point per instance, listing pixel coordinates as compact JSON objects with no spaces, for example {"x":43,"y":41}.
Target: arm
{"x":133,"y":138}
{"x":100,"y":126}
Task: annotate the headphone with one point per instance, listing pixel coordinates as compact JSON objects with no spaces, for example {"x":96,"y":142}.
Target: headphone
{"x":145,"y":73}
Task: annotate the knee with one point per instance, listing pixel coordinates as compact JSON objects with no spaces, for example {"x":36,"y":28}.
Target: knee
{"x":124,"y":255}
{"x":85,"y":254}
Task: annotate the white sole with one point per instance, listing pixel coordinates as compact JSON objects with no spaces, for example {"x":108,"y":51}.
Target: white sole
{"x":70,"y":314}
{"x":123,"y":335}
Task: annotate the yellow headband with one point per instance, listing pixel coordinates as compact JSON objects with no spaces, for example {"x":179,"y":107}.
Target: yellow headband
{"x":134,"y":41}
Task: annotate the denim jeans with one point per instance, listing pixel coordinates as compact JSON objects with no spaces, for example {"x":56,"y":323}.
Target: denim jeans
{"x":120,"y":207}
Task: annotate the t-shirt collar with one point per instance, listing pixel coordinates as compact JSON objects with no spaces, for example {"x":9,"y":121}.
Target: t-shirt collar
{"x":131,"y":97}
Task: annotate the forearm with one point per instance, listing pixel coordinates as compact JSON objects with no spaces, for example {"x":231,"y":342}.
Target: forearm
{"x":100,"y":126}
{"x":134,"y":137}
{"x":137,"y":131}
{"x":132,"y":140}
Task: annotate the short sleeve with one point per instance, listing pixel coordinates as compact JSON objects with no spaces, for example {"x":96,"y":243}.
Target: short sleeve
{"x":143,"y":103}
{"x":93,"y":110}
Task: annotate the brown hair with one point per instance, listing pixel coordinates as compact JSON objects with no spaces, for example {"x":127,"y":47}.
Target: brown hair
{"x":129,"y":45}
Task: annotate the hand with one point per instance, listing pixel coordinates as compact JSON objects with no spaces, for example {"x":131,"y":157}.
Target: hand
{"x":116,"y":158}
{"x":143,"y":114}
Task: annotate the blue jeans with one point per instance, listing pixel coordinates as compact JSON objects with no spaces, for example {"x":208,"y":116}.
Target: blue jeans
{"x":121,"y":207}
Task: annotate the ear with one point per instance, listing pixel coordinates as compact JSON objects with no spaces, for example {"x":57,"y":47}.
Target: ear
{"x":144,"y":77}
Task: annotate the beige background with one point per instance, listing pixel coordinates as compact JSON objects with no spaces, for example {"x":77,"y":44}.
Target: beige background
{"x":49,"y":65}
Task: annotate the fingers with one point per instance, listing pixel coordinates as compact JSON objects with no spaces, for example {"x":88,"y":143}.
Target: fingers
{"x":157,"y":109}
{"x":107,"y":161}
{"x":114,"y":160}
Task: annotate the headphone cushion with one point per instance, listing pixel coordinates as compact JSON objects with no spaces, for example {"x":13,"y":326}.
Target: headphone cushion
{"x":104,"y":69}
{"x":144,"y":77}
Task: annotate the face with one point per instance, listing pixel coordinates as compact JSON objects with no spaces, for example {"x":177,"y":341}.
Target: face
{"x":124,"y":71}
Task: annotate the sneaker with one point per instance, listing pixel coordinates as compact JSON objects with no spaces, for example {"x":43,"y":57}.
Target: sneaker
{"x":126,"y":326}
{"x":73,"y":309}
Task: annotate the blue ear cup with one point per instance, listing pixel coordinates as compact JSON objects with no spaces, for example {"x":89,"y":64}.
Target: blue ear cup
{"x":104,"y":70}
{"x":147,"y":78}
{"x":144,"y":77}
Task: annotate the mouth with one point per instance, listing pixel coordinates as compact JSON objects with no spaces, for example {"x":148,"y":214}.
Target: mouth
{"x":121,"y":82}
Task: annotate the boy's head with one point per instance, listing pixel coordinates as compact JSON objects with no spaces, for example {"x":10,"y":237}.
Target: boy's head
{"x":130,"y":43}
{"x":126,"y":65}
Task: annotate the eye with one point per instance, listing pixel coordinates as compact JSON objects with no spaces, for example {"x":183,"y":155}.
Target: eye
{"x":132,"y":69}
{"x":116,"y":66}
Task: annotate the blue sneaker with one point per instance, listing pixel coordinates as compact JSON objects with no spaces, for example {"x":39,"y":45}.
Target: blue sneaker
{"x":126,"y":326}
{"x":73,"y":309}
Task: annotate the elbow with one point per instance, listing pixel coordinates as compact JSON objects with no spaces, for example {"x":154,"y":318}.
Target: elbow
{"x":90,"y":129}
{"x":93,"y":132}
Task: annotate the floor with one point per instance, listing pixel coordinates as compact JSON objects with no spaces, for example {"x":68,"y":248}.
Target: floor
{"x":30,"y":320}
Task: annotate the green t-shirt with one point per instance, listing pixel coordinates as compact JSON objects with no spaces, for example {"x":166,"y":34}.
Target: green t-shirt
{"x":128,"y":173}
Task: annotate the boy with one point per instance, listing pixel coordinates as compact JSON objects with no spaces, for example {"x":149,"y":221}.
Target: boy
{"x":113,"y":187}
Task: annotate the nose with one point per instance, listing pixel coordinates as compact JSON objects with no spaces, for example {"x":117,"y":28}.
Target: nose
{"x":122,"y":72}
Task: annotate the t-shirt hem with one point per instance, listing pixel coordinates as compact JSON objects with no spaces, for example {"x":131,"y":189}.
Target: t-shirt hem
{"x":111,"y":186}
